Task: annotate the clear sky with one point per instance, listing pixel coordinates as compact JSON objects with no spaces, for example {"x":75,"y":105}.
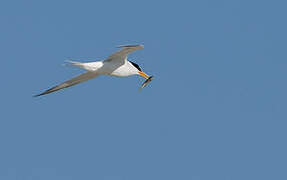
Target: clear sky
{"x":215,"y":111}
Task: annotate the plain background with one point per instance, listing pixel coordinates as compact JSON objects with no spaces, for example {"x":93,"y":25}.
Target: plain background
{"x":216,"y":109}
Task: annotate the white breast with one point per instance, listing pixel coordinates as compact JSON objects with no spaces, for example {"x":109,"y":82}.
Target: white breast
{"x":113,"y":68}
{"x":126,"y":69}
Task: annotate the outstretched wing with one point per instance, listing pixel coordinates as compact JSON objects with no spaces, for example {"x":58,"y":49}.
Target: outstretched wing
{"x":122,"y":54}
{"x":76,"y":80}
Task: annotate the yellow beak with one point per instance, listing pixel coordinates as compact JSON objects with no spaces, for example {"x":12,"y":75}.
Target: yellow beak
{"x":144,"y":75}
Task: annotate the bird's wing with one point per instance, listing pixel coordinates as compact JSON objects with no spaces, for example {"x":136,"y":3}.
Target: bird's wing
{"x":122,"y":54}
{"x":76,"y":80}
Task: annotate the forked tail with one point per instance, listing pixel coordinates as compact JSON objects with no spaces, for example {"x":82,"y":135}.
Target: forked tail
{"x":74,"y":63}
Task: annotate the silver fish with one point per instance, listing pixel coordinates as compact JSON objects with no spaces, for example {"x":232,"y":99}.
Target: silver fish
{"x":147,"y":81}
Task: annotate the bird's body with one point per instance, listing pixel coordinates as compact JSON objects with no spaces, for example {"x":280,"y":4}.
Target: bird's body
{"x":108,"y":68}
{"x":115,"y":65}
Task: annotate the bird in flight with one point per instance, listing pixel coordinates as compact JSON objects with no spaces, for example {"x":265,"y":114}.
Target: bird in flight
{"x":115,"y":65}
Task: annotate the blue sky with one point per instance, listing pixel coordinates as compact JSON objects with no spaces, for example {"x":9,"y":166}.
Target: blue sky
{"x":216,"y":109}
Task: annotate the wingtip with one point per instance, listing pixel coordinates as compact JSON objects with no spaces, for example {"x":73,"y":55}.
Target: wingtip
{"x":45,"y":92}
{"x":37,"y":95}
{"x":140,"y":46}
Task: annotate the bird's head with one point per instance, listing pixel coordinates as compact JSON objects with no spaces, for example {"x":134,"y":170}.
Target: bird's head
{"x":140,"y":72}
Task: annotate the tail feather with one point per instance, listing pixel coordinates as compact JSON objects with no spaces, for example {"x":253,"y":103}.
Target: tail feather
{"x":74,"y":63}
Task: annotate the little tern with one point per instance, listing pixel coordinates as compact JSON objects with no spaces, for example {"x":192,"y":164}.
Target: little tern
{"x":115,"y":65}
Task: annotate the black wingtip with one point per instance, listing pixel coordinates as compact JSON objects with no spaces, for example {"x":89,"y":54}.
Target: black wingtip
{"x":37,"y":95}
{"x":131,"y":46}
{"x":46,"y":92}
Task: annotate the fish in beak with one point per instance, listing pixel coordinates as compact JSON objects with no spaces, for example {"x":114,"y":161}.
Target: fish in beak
{"x":147,"y":77}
